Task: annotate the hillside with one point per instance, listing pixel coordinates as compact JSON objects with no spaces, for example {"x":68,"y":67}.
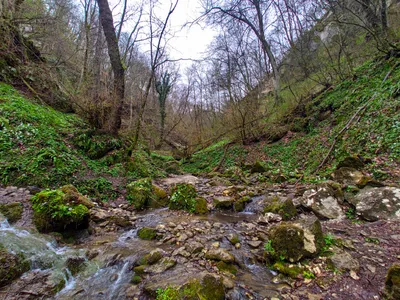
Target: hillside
{"x":370,"y":100}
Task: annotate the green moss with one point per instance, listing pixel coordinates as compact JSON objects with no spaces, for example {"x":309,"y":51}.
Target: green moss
{"x":288,"y":242}
{"x":12,"y":211}
{"x":234,"y":239}
{"x":11,"y":267}
{"x":224,"y":267}
{"x":140,"y":193}
{"x":285,"y":209}
{"x":55,"y":211}
{"x":151,"y":258}
{"x":201,"y":206}
{"x":136,"y":279}
{"x":147,"y":233}
{"x":183,"y":196}
{"x":139,"y":270}
{"x":240,"y":204}
{"x":292,"y":271}
{"x":392,"y":283}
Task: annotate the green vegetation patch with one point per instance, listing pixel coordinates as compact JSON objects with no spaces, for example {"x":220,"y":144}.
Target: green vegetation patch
{"x":56,"y":210}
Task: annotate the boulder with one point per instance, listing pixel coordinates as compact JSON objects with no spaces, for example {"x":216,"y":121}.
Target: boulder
{"x":297,"y":240}
{"x":351,"y":162}
{"x":343,"y":261}
{"x":147,"y":233}
{"x":183,"y":196}
{"x":140,"y":193}
{"x":323,"y":200}
{"x":351,"y":176}
{"x":374,"y":204}
{"x":11,"y":267}
{"x":161,"y":266}
{"x":220,"y":255}
{"x":12,"y":211}
{"x":223,"y":202}
{"x":392,"y":283}
{"x":284,"y":207}
{"x":60,"y":210}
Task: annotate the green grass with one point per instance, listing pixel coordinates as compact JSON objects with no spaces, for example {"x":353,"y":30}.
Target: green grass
{"x":43,"y":147}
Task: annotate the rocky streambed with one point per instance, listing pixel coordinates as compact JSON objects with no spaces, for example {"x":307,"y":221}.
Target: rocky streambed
{"x":223,"y":254}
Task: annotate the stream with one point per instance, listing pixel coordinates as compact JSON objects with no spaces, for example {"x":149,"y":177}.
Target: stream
{"x":107,"y":260}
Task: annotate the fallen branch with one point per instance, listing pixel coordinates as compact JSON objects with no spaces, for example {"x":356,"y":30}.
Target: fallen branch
{"x":221,"y":161}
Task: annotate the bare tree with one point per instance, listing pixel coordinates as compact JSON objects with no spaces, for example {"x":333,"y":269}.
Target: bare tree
{"x":116,"y":64}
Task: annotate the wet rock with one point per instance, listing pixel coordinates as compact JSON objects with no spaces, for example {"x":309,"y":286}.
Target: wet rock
{"x":233,"y":238}
{"x":11,"y":266}
{"x":161,"y":266}
{"x":350,"y":176}
{"x":254,"y":244}
{"x":374,"y":204}
{"x":75,"y":264}
{"x":323,"y":201}
{"x":240,"y":204}
{"x":392,"y":283}
{"x":297,"y":240}
{"x":343,"y":261}
{"x":269,"y":218}
{"x":223,"y":202}
{"x":220,"y":255}
{"x":194,"y":247}
{"x":36,"y":285}
{"x":12,"y":211}
{"x":151,"y":258}
{"x":147,"y":233}
{"x":284,"y":207}
{"x":49,"y":208}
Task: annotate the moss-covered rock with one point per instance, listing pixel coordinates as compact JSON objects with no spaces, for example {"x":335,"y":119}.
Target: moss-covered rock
{"x":351,"y":176}
{"x":351,"y":162}
{"x":228,"y":268}
{"x":201,"y":206}
{"x":183,"y":196}
{"x":136,"y":279}
{"x":160,"y":197}
{"x":240,"y":204}
{"x":258,"y":167}
{"x":147,"y":233}
{"x":140,"y":193}
{"x":285,"y":208}
{"x":12,"y":211}
{"x":11,"y":267}
{"x":75,"y":264}
{"x":296,"y":240}
{"x":392,"y":283}
{"x":151,"y":258}
{"x":233,"y":239}
{"x":73,"y":196}
{"x":223,"y":202}
{"x":55,"y":210}
{"x":292,"y":271}
{"x":139,"y":270}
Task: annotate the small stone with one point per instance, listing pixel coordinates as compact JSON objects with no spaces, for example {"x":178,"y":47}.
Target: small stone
{"x":254,"y":244}
{"x":354,"y":275}
{"x":237,"y":245}
{"x":215,"y":245}
{"x":371,"y":268}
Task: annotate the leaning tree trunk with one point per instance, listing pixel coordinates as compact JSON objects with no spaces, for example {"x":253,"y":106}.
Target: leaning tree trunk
{"x":116,"y":64}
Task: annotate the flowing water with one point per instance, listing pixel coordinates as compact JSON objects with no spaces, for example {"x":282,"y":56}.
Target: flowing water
{"x":108,"y":275}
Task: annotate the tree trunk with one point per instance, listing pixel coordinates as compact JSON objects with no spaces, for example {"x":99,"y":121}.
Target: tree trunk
{"x":116,"y":64}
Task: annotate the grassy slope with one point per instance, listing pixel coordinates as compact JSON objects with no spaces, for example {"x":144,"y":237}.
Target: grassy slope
{"x":43,"y":147}
{"x":376,"y":135}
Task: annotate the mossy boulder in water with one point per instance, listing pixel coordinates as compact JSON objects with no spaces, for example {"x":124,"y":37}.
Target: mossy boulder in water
{"x":184,"y":196}
{"x":240,"y":204}
{"x":296,"y":240}
{"x":147,"y":233}
{"x":140,"y":193}
{"x":59,"y":210}
{"x":285,"y":208}
{"x":12,"y":211}
{"x":11,"y":267}
{"x":223,"y":202}
{"x":392,"y":283}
